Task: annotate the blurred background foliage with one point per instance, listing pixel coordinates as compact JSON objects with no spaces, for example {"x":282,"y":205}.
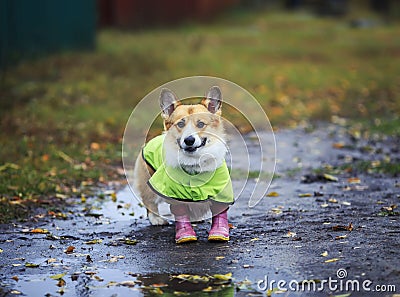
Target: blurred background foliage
{"x":64,"y":105}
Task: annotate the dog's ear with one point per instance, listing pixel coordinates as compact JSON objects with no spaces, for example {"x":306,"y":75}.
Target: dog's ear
{"x":168,"y":102}
{"x":213,"y":100}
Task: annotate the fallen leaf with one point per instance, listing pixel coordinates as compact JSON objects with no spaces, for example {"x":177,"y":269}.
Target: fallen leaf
{"x":324,"y":205}
{"x":330,"y":177}
{"x":95,"y":146}
{"x":160,"y":285}
{"x":61,"y":283}
{"x":324,"y":254}
{"x":130,"y":241}
{"x":290,"y":234}
{"x":1,"y":250}
{"x":353,"y":180}
{"x":349,"y":227}
{"x":332,"y":200}
{"x":231,"y":226}
{"x":193,"y":278}
{"x":224,"y":277}
{"x":341,"y":237}
{"x":331,"y":260}
{"x":208,"y":289}
{"x":15,"y":292}
{"x":114,"y":197}
{"x":247,"y":266}
{"x":83,"y":198}
{"x":40,"y":230}
{"x":254,"y":239}
{"x":272,"y":194}
{"x":98,"y":278}
{"x":156,"y":291}
{"x":89,"y":272}
{"x":69,"y":249}
{"x":338,"y":145}
{"x":15,"y":278}
{"x":276,"y":210}
{"x":58,"y":276}
{"x":305,"y":195}
{"x":219,"y":258}
{"x":31,"y":265}
{"x":129,"y":284}
{"x":94,"y":241}
{"x":346,"y":203}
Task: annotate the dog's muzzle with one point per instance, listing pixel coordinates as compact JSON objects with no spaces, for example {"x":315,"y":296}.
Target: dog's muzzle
{"x":189,"y":142}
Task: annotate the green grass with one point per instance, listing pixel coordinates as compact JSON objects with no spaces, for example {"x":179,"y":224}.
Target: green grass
{"x":63,"y":116}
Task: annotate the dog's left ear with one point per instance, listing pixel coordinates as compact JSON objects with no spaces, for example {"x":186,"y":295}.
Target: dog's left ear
{"x":213,"y":100}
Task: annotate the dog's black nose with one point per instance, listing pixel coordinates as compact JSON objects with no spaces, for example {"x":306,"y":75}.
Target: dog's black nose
{"x":189,"y":141}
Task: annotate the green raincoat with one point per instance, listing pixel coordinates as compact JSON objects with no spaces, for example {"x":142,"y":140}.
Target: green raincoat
{"x":175,"y":183}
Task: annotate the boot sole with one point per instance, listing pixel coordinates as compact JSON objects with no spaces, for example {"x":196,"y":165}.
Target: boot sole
{"x":218,"y":238}
{"x":186,"y":239}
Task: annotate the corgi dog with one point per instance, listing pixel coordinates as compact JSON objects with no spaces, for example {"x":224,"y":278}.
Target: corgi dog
{"x":185,"y":166}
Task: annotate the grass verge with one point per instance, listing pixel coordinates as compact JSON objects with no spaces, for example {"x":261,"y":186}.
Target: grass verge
{"x":63,"y":116}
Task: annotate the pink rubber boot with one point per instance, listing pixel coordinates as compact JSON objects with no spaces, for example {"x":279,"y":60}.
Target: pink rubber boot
{"x":220,"y":227}
{"x":183,"y":228}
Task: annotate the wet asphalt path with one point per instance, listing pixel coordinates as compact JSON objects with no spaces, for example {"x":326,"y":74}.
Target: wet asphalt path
{"x":291,"y":235}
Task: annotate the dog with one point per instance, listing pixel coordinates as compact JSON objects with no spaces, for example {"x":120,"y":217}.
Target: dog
{"x":185,"y":166}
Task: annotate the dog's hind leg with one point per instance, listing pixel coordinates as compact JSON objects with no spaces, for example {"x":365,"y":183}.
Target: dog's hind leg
{"x":142,"y":173}
{"x":152,"y":212}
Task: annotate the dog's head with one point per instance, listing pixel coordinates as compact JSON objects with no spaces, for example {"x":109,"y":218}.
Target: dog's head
{"x":196,"y":129}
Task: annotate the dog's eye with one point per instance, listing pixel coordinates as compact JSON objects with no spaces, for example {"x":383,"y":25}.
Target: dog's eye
{"x":181,"y":124}
{"x":200,"y":124}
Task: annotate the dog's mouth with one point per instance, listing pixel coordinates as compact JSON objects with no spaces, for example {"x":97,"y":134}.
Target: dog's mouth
{"x":192,"y":149}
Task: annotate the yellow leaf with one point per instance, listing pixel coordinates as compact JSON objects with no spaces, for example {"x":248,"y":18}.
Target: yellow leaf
{"x":58,"y":276}
{"x":1,"y":250}
{"x":83,"y":198}
{"x":208,"y":289}
{"x":94,"y":241}
{"x":305,"y":195}
{"x":324,"y":254}
{"x":224,"y":277}
{"x":330,"y":177}
{"x":156,"y":291}
{"x":114,"y":197}
{"x":219,"y":258}
{"x":31,"y":265}
{"x":272,"y":194}
{"x":40,"y":230}
{"x":254,"y":239}
{"x":331,"y":260}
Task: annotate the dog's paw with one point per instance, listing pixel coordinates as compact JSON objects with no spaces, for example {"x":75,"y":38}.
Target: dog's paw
{"x":156,"y":219}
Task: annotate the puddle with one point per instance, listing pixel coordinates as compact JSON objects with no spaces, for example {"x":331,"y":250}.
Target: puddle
{"x":114,"y":282}
{"x":125,"y":208}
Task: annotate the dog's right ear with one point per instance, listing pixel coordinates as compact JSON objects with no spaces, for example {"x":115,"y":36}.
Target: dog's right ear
{"x":168,"y":102}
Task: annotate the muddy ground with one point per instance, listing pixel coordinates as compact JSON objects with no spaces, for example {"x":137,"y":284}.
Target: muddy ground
{"x":310,"y":227}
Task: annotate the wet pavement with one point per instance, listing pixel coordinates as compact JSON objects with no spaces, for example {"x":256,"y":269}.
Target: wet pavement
{"x":339,"y":231}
